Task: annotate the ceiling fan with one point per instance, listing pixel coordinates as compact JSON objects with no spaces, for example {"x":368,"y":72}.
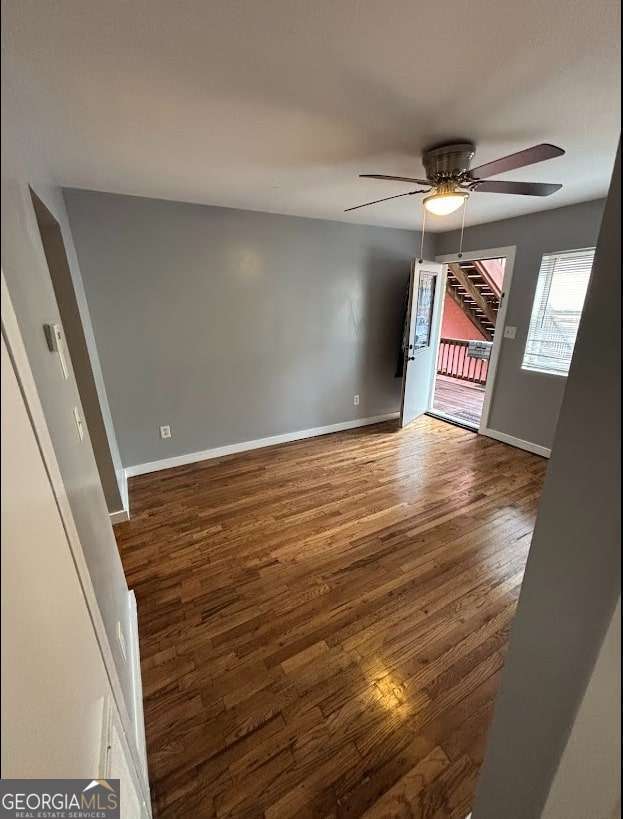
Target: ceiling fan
{"x":450,"y":179}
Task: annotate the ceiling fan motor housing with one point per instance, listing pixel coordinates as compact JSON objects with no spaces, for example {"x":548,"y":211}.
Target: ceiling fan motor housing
{"x":449,"y":163}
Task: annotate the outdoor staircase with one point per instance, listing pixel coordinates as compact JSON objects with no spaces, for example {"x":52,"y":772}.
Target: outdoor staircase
{"x":472,"y":287}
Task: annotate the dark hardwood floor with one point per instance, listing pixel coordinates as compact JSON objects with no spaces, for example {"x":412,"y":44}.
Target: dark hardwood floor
{"x":323,"y":624}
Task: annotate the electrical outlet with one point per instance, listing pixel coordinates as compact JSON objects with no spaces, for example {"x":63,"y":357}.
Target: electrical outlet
{"x":165,"y":431}
{"x":122,"y":643}
{"x":356,"y":400}
{"x":510,"y":331}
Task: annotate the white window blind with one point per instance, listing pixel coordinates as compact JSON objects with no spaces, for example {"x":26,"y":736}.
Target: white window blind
{"x":556,"y":311}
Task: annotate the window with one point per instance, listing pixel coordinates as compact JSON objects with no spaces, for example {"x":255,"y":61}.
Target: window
{"x":556,"y":311}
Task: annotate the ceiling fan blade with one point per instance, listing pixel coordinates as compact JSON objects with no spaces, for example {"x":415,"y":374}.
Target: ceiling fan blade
{"x":538,"y":153}
{"x":523,"y":188}
{"x":393,"y":178}
{"x":376,"y":201}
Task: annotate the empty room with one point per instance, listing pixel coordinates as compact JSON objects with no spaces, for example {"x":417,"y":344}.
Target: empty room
{"x":311,"y":409}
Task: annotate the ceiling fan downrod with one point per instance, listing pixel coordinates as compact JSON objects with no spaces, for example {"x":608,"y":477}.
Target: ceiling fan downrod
{"x":460,"y":253}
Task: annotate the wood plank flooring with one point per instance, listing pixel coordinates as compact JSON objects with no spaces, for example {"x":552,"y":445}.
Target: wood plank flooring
{"x":459,"y":399}
{"x":323,"y":623}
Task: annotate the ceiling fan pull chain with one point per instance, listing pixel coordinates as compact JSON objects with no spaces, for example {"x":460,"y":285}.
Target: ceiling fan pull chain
{"x":421,"y":259}
{"x":460,"y":253}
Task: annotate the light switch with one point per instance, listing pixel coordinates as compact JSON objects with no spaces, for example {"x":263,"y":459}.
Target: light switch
{"x":79,"y":424}
{"x":509,"y":331}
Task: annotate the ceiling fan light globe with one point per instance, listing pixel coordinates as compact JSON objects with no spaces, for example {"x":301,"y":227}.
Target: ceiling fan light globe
{"x":443,"y":204}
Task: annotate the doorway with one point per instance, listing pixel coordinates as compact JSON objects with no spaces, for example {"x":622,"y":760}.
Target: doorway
{"x":472,"y":308}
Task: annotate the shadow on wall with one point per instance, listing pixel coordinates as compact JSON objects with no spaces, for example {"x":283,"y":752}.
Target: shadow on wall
{"x":386,"y":282}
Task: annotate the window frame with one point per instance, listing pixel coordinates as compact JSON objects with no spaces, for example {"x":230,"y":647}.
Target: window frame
{"x":538,"y":370}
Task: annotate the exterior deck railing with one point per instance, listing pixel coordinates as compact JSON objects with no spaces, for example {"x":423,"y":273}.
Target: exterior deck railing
{"x":454,"y":361}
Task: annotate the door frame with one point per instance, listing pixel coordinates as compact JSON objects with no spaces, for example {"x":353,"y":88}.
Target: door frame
{"x":507,"y":253}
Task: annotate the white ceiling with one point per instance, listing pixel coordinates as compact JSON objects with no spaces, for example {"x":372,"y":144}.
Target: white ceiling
{"x":277,"y":105}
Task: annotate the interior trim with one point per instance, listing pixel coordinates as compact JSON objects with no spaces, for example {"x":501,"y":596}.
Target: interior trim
{"x":536,"y":449}
{"x":508,"y":252}
{"x":258,"y":443}
{"x":137,"y":683}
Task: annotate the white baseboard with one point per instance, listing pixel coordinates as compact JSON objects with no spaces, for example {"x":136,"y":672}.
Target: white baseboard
{"x":137,"y":684}
{"x":119,"y":517}
{"x":518,"y":442}
{"x":258,"y":443}
{"x":125,"y":497}
{"x":123,"y":514}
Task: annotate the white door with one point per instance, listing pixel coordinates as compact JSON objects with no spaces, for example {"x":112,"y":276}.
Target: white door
{"x":420,"y":349}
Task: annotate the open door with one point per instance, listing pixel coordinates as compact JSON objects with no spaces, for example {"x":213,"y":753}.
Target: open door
{"x":420,"y":346}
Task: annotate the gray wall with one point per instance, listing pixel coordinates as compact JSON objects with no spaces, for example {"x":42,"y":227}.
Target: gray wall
{"x":588,"y":779}
{"x":167,"y":282}
{"x":233,"y":325}
{"x":526,"y":404}
{"x":573,"y":575}
{"x":24,"y":265}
